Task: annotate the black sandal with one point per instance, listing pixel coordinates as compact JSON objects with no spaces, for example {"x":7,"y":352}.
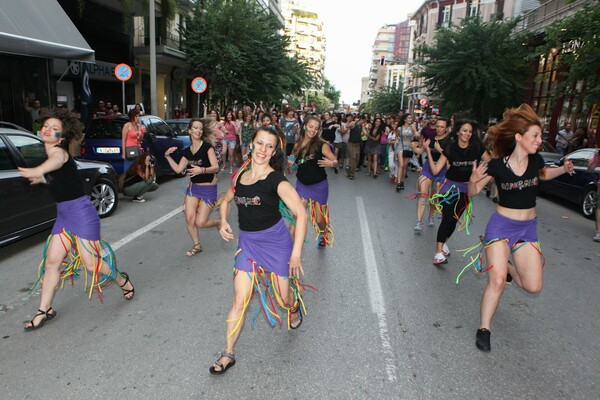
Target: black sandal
{"x":223,"y":369}
{"x":48,"y":316}
{"x":296,"y":311}
{"x":125,"y":291}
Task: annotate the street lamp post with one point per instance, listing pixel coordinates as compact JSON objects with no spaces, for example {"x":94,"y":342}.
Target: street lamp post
{"x":403,"y":88}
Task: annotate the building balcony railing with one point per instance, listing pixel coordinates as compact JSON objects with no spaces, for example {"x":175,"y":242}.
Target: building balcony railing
{"x":169,"y":40}
{"x":546,"y":13}
{"x":168,"y":46}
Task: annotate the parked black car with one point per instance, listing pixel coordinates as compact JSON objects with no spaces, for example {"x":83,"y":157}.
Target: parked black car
{"x":579,"y":188}
{"x":102,"y":142}
{"x":28,"y":209}
{"x":548,"y":153}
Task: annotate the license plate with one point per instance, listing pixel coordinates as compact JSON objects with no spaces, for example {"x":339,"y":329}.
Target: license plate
{"x":108,"y":150}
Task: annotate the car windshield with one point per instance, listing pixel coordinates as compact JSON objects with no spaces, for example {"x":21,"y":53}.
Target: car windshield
{"x":105,"y":129}
{"x":580,"y":158}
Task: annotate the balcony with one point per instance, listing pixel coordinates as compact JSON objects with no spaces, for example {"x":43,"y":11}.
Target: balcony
{"x":168,"y":49}
{"x":547,"y":13}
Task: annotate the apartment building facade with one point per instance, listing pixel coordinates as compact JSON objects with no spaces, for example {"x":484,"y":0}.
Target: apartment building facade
{"x":307,"y":38}
{"x":113,"y":34}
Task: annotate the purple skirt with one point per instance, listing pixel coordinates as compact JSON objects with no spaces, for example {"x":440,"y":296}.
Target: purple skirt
{"x":318,"y":192}
{"x":206,"y":193}
{"x":79,"y":217}
{"x":426,"y":171}
{"x":501,"y":227}
{"x":270,"y":248}
{"x":459,"y":187}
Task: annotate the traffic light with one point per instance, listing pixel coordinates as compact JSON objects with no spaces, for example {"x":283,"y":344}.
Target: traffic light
{"x":382,"y":62}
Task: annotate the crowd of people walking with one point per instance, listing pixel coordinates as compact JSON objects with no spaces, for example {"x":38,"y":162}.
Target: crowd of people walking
{"x":260,"y":150}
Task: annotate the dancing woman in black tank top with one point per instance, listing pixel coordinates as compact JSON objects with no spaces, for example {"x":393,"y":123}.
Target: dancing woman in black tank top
{"x":75,"y":237}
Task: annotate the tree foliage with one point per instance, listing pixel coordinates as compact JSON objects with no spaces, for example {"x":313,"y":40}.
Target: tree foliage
{"x":577,"y":39}
{"x":332,"y":94}
{"x":476,"y":68}
{"x":236,"y":47}
{"x":386,"y":101}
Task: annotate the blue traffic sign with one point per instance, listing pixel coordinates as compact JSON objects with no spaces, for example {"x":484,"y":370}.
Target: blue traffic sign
{"x":199,"y":84}
{"x":123,"y":72}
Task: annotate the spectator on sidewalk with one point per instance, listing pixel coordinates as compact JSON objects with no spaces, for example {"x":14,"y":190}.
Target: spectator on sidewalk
{"x":139,"y":178}
{"x":34,"y":111}
{"x":563,"y":139}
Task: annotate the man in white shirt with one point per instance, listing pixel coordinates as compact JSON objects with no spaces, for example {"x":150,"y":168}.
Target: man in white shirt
{"x":562,"y":139}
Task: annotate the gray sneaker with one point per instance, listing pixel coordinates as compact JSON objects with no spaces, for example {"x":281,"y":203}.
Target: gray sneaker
{"x":596,"y":237}
{"x":419,"y":226}
{"x":431,"y":221}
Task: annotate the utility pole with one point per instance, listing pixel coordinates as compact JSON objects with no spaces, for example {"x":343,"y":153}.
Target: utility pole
{"x":152,"y":22}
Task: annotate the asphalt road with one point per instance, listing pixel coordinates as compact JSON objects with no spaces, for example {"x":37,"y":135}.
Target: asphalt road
{"x":384,"y":324}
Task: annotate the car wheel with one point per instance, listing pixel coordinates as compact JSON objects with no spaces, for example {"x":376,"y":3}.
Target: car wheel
{"x":104,"y":197}
{"x":589,"y":203}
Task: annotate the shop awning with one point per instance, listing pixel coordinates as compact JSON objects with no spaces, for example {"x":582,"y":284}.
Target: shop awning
{"x":40,"y":28}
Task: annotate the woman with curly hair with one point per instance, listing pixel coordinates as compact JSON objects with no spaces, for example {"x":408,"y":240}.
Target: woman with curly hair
{"x":312,"y":155}
{"x":200,"y":162}
{"x":267,"y":260}
{"x":512,"y":229}
{"x":75,"y":238}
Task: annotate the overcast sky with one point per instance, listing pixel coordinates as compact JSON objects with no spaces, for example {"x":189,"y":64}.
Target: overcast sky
{"x":350,"y":29}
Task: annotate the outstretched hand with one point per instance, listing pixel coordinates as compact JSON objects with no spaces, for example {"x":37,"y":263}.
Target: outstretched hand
{"x":33,"y":175}
{"x":568,"y":166}
{"x":479,"y":171}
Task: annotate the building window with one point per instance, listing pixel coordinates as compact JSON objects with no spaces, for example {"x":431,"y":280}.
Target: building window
{"x":473,"y":8}
{"x":445,"y":16}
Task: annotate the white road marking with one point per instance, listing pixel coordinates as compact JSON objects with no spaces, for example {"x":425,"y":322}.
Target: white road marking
{"x":21,"y":299}
{"x":375,"y":292}
{"x":132,"y":236}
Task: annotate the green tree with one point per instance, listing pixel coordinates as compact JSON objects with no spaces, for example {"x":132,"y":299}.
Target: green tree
{"x":477,"y":68}
{"x":236,"y":46}
{"x":577,"y":39}
{"x":332,"y":93}
{"x":386,"y":101}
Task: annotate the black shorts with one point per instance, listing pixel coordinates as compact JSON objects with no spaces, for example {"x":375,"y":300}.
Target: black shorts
{"x":407,"y":153}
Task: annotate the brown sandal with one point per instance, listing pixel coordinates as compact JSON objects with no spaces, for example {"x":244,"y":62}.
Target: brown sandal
{"x":297,"y":312}
{"x":194,"y":250}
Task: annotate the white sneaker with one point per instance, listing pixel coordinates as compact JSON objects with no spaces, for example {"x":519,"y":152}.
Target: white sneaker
{"x":138,"y":199}
{"x":445,"y":250}
{"x":439,"y":259}
{"x":596,"y":237}
{"x":419,"y":226}
{"x":431,"y":221}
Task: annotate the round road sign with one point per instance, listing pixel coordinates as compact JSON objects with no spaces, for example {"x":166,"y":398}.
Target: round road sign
{"x":199,"y":84}
{"x":423,"y":101}
{"x":123,"y":72}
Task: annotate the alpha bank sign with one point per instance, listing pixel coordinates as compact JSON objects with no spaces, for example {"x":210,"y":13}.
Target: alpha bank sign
{"x":98,"y":71}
